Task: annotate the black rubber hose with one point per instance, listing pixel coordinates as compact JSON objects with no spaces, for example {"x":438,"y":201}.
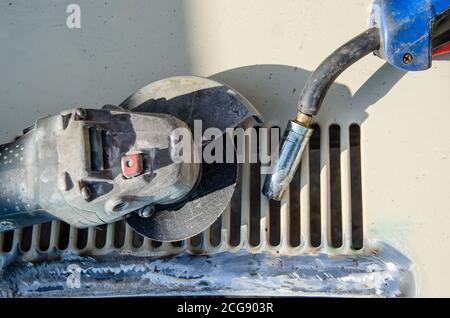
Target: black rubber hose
{"x":320,"y":81}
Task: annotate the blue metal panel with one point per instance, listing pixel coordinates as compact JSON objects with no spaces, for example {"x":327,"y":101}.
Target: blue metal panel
{"x":405,"y":28}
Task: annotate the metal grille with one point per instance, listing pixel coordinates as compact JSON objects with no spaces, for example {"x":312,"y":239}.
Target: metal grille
{"x":321,"y":212}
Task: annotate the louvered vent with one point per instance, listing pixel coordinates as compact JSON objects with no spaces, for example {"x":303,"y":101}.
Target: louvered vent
{"x":322,"y":211}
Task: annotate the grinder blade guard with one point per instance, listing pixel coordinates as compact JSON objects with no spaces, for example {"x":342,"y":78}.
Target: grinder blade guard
{"x":215,"y":105}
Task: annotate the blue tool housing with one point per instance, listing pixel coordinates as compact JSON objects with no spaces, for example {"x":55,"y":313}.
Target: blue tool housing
{"x":405,"y":28}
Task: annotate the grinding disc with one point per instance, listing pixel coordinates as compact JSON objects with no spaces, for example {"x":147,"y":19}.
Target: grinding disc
{"x":192,"y":98}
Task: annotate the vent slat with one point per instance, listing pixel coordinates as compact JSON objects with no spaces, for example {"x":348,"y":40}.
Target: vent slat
{"x":53,"y":235}
{"x":236,"y":214}
{"x":314,"y":187}
{"x":335,"y":187}
{"x":294,"y":210}
{"x":82,"y":239}
{"x":72,"y":238}
{"x":263,"y":206}
{"x":138,"y":240}
{"x":26,"y":235}
{"x":156,"y":244}
{"x":147,"y":245}
{"x":91,"y":238}
{"x":63,"y":237}
{"x":273,"y":219}
{"x":215,"y":233}
{"x":246,"y":190}
{"x":355,"y":187}
{"x":119,"y":234}
{"x":274,"y":216}
{"x":45,"y":230}
{"x":34,"y":237}
{"x":227,"y":223}
{"x":109,"y":236}
{"x":129,"y":233}
{"x":305,"y":220}
{"x":101,"y":233}
{"x":254,"y":213}
{"x":284,"y":228}
{"x":196,"y":242}
{"x":345,"y":189}
{"x":324,"y":187}
{"x":7,"y":241}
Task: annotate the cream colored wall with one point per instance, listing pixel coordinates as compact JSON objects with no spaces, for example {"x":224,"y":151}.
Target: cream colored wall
{"x":265,"y":49}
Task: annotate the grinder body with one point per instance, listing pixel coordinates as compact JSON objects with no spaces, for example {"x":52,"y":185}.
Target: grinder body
{"x":89,"y":167}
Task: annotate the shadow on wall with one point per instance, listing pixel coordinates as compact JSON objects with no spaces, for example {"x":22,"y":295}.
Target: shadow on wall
{"x":120,"y":47}
{"x":274,"y":90}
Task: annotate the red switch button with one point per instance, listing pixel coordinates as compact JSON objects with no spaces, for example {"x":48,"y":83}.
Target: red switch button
{"x":132,"y":165}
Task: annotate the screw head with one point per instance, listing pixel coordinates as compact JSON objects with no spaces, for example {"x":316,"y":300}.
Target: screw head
{"x":408,"y":58}
{"x":146,"y":211}
{"x":86,"y":193}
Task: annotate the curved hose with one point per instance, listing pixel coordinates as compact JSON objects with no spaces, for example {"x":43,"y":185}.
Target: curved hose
{"x":298,"y":131}
{"x":320,"y":81}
